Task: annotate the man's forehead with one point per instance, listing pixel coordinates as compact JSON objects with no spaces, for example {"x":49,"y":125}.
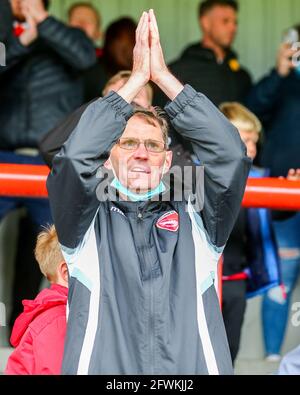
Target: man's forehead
{"x":142,"y":125}
{"x":87,"y":11}
{"x":221,"y":10}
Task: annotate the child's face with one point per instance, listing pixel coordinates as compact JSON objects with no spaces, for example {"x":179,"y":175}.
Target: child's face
{"x":250,"y":138}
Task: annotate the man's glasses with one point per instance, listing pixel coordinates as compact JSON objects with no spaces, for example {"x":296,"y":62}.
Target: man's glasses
{"x":132,"y":144}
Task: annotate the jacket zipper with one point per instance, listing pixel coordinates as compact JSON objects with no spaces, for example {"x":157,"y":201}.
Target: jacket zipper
{"x":148,"y":283}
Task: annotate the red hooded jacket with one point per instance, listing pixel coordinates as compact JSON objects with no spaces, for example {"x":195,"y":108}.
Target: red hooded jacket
{"x":39,"y":333}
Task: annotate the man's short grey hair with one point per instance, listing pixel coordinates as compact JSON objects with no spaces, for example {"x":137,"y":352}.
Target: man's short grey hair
{"x":157,"y":117}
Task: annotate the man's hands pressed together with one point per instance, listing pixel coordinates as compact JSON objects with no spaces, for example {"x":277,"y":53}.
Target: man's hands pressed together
{"x":149,"y":63}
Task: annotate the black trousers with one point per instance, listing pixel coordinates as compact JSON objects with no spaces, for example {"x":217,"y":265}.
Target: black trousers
{"x":233,"y":310}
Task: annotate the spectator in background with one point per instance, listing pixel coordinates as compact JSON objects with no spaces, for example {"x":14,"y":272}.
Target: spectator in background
{"x":52,"y":142}
{"x":276,"y":101}
{"x":87,"y":18}
{"x":40,"y":85}
{"x":39,"y":332}
{"x":116,"y":55}
{"x":251,"y":261}
{"x":245,"y":249}
{"x":211,"y":66}
{"x":118,"y":45}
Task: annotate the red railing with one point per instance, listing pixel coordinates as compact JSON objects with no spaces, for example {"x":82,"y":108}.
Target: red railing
{"x":274,"y":193}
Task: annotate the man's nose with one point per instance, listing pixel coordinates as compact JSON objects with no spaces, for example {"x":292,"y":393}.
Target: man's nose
{"x":141,"y":152}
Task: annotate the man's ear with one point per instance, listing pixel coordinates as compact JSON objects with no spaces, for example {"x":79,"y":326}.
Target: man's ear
{"x":63,"y":273}
{"x":204,"y":23}
{"x":168,"y":161}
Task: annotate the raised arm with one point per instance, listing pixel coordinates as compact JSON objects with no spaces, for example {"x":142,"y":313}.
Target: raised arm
{"x":5,"y":20}
{"x":72,"y":182}
{"x":266,"y":94}
{"x":218,"y":147}
{"x":15,"y":51}
{"x":215,"y":142}
{"x":71,"y":44}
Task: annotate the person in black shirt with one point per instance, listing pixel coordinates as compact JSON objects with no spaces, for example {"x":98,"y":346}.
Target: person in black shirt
{"x":86,"y":17}
{"x":210,"y":65}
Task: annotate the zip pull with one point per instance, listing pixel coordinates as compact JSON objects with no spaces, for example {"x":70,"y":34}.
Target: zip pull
{"x":140,"y":215}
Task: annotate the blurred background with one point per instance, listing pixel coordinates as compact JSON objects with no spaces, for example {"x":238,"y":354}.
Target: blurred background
{"x":261,"y":25}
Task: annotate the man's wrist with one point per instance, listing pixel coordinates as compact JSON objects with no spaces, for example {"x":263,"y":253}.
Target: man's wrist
{"x":169,"y":84}
{"x":132,"y":87}
{"x":161,"y":77}
{"x":283,"y":73}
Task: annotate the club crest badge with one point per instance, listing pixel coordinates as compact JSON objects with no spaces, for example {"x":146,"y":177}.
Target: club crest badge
{"x":169,"y":221}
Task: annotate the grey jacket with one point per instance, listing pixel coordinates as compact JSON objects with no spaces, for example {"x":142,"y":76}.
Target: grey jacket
{"x":142,"y":297}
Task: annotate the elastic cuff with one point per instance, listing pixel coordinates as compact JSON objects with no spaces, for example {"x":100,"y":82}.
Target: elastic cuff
{"x":119,"y":104}
{"x":19,"y":47}
{"x":185,"y":98}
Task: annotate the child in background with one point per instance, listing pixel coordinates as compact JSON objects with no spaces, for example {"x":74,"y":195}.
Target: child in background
{"x":251,"y":261}
{"x":39,"y":332}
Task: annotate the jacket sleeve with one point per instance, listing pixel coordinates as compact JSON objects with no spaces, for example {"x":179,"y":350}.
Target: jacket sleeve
{"x":73,"y":180}
{"x":15,"y":51}
{"x":265,"y":94}
{"x":218,"y":146}
{"x":70,"y":43}
{"x":51,"y":143}
{"x":5,"y":20}
{"x":21,"y":361}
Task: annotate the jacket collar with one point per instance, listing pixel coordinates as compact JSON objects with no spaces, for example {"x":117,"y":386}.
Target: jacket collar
{"x":198,"y":51}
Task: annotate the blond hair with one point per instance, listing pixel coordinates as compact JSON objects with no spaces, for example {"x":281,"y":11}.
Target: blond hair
{"x":48,"y":253}
{"x":124,"y":75}
{"x":241,"y":117}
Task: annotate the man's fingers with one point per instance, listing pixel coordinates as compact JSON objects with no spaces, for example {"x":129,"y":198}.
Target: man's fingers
{"x":153,"y":21}
{"x":144,"y":32}
{"x":138,"y":29}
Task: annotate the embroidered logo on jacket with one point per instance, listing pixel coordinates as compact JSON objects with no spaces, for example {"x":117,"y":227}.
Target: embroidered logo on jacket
{"x":117,"y":210}
{"x":169,"y":221}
